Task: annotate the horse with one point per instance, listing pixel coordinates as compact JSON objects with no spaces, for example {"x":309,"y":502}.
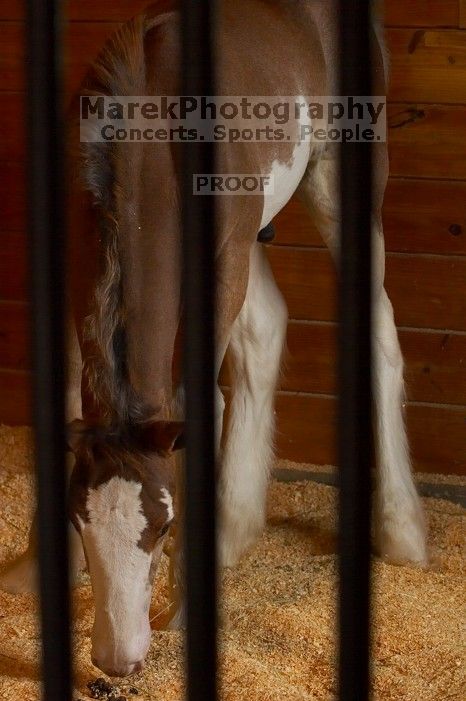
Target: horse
{"x":122,"y":338}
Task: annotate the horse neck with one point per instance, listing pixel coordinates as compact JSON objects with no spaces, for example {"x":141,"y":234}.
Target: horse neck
{"x":149,"y":244}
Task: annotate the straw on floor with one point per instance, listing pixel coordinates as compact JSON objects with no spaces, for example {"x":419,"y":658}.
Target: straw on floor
{"x":278,"y":610}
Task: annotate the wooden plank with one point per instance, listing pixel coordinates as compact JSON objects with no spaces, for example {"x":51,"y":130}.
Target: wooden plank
{"x":436,"y":437}
{"x":425,"y":216}
{"x":421,"y":13}
{"x":415,"y":13}
{"x":12,"y":56}
{"x":427,"y":141}
{"x":15,"y":398}
{"x":306,"y":428}
{"x":462,"y":21}
{"x":306,"y":433}
{"x":11,"y":10}
{"x":308,"y":281}
{"x":12,"y":187}
{"x":13,"y":279}
{"x":427,"y":292}
{"x":83,"y":10}
{"x":83,"y":43}
{"x":105,"y":10}
{"x":427,"y":65}
{"x":435,"y":363}
{"x":420,"y":216}
{"x":435,"y":366}
{"x":294,"y":226}
{"x":12,"y":123}
{"x":310,"y":358}
{"x":14,"y":336}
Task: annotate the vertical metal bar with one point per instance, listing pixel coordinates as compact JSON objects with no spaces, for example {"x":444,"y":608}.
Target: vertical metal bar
{"x":355,"y":425}
{"x":46,"y":228}
{"x":199,"y":367}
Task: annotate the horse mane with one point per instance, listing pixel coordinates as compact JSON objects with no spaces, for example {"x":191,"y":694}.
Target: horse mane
{"x":119,"y":70}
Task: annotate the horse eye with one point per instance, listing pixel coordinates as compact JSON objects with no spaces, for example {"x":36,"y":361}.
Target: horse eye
{"x":164,"y":529}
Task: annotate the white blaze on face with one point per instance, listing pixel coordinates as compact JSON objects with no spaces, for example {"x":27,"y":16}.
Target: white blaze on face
{"x":119,"y":571}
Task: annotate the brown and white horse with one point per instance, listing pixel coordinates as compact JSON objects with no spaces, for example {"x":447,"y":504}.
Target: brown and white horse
{"x":122,"y":486}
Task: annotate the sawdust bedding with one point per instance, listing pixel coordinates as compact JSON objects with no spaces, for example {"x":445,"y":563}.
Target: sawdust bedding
{"x":278,"y":609}
{"x":421,"y":477}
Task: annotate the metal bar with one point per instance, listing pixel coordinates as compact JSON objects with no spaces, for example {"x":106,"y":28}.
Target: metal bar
{"x":355,"y":422}
{"x":199,"y":367}
{"x":46,"y":227}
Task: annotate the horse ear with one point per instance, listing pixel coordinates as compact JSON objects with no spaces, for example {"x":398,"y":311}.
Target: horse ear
{"x":74,"y":433}
{"x":163,"y":437}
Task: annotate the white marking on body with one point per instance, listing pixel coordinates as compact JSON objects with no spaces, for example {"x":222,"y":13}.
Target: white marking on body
{"x":119,"y":571}
{"x":286,"y":176}
{"x":167,"y":500}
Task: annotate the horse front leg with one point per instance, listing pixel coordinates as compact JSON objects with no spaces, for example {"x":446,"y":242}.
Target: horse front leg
{"x":255,"y":353}
{"x":20,"y":576}
{"x":232,"y":283}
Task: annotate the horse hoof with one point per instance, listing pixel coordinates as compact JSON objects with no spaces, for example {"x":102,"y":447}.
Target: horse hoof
{"x":403,"y":542}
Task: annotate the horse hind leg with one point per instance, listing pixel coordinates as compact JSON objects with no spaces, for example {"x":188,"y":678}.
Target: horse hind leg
{"x":255,"y":352}
{"x":400,"y":532}
{"x":20,"y":576}
{"x":400,"y":527}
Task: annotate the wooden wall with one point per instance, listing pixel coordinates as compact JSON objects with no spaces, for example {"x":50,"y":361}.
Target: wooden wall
{"x":425,"y":225}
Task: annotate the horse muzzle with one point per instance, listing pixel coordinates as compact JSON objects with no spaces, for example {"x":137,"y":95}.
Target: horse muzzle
{"x":118,"y":670}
